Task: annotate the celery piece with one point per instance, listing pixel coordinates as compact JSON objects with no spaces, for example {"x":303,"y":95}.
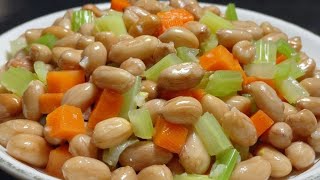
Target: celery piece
{"x":215,"y":22}
{"x":141,"y":123}
{"x":154,"y":72}
{"x":243,"y":151}
{"x":211,"y":134}
{"x":186,"y":176}
{"x":17,"y":45}
{"x":111,"y":156}
{"x":288,"y":68}
{"x":187,"y":54}
{"x":16,"y":80}
{"x":266,"y":52}
{"x":113,"y":23}
{"x":81,"y":17}
{"x":129,"y":102}
{"x":224,"y":82}
{"x":141,"y":98}
{"x":47,"y":40}
{"x":263,"y":71}
{"x":224,"y":165}
{"x":283,"y":47}
{"x":209,"y":44}
{"x":41,"y":71}
{"x":291,"y":90}
{"x":204,"y":81}
{"x":231,"y":13}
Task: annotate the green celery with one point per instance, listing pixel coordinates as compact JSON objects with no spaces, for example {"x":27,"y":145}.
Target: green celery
{"x":263,"y":71}
{"x":215,"y":22}
{"x":291,"y":89}
{"x":211,"y":134}
{"x":17,"y":80}
{"x":41,"y":71}
{"x":283,"y":47}
{"x":209,"y":44}
{"x":129,"y":102}
{"x":112,"y":22}
{"x":266,"y":52}
{"x":224,"y":165}
{"x":17,"y":45}
{"x":141,"y":123}
{"x":204,"y":81}
{"x":185,"y":176}
{"x":81,"y":17}
{"x":154,"y":72}
{"x":187,"y":54}
{"x":141,"y":98}
{"x":231,"y":13}
{"x":111,"y":156}
{"x":288,"y":68}
{"x":224,"y":82}
{"x":47,"y":40}
{"x":244,"y":151}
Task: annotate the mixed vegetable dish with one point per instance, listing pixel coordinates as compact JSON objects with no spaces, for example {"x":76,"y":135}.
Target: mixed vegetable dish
{"x":158,"y":90}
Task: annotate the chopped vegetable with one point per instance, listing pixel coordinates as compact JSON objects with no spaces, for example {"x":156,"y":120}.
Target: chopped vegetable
{"x":224,"y":165}
{"x":170,"y":136}
{"x":196,"y":93}
{"x":111,"y":156}
{"x":154,"y":72}
{"x":65,"y":122}
{"x":262,"y":71}
{"x":266,"y":52}
{"x":215,"y":22}
{"x":291,"y":89}
{"x":140,"y":98}
{"x":47,"y":40}
{"x":212,"y":135}
{"x":57,"y":158}
{"x":41,"y":71}
{"x":204,"y":81}
{"x":288,"y":68}
{"x":283,"y":47}
{"x":17,"y":45}
{"x":173,"y":17}
{"x":141,"y":123}
{"x":119,"y":5}
{"x":16,"y":80}
{"x":261,"y":121}
{"x":113,"y":23}
{"x":209,"y":44}
{"x":280,"y":58}
{"x":129,"y":98}
{"x":187,"y":54}
{"x":61,"y":81}
{"x":108,"y":106}
{"x":231,"y":13}
{"x":48,"y":102}
{"x":243,"y":151}
{"x":81,"y":17}
{"x":186,"y":176}
{"x":224,"y":82}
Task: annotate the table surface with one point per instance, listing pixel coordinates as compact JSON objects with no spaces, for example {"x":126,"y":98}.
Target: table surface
{"x":303,"y":13}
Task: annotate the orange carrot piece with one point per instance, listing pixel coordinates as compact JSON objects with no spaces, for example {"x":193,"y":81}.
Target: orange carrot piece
{"x":119,"y":5}
{"x":56,"y":160}
{"x":170,"y":136}
{"x":281,"y":58}
{"x":65,"y":122}
{"x":49,"y":102}
{"x":261,"y":121}
{"x":61,"y":81}
{"x":108,"y":106}
{"x":196,"y":93}
{"x":174,"y":17}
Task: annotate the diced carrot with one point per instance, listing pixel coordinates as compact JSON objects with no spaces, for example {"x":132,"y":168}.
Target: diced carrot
{"x":119,"y":5}
{"x":56,"y":160}
{"x":61,"y":81}
{"x":170,"y":136}
{"x":196,"y":93}
{"x":280,"y":58}
{"x":49,"y":102}
{"x":108,"y":105}
{"x":261,"y":121}
{"x":174,"y":17}
{"x":65,"y":122}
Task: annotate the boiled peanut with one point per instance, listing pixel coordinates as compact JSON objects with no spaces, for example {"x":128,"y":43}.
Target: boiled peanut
{"x":302,"y":123}
{"x":154,"y":107}
{"x":96,"y":55}
{"x":51,"y":140}
{"x":147,"y":25}
{"x":10,"y":105}
{"x":180,"y":36}
{"x":24,"y":63}
{"x":289,"y":109}
{"x":86,"y":29}
{"x":70,"y":59}
{"x":312,"y":85}
{"x":307,"y":65}
{"x":108,"y":39}
{"x":274,"y":37}
{"x":84,"y":41}
{"x":314,"y":139}
{"x":162,"y":50}
{"x":244,"y":51}
{"x":213,"y":9}
{"x":93,"y":8}
{"x":30,"y":100}
{"x":124,"y":173}
{"x":295,"y":43}
{"x":68,"y":41}
{"x":63,"y":22}
{"x":57,"y":31}
{"x":32,"y":35}
{"x":268,"y":28}
{"x":301,"y":155}
{"x":39,"y":52}
{"x":57,"y":52}
{"x":81,"y":145}
{"x":280,"y":135}
{"x":134,"y":66}
{"x":152,"y":6}
{"x":150,"y":87}
{"x":310,"y":103}
{"x":243,"y":104}
{"x":215,"y":106}
{"x":200,"y":30}
{"x":229,"y":37}
{"x":156,"y":172}
{"x":132,"y":14}
{"x":175,"y":166}
{"x":316,"y":74}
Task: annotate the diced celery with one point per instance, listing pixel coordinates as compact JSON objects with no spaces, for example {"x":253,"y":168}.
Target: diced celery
{"x":224,"y":82}
{"x":243,"y":151}
{"x":224,"y":165}
{"x":209,"y":44}
{"x":16,"y":80}
{"x":288,"y":68}
{"x":81,"y":17}
{"x":204,"y":81}
{"x":129,"y":102}
{"x":215,"y":22}
{"x":111,"y":156}
{"x":17,"y":45}
{"x":141,"y":123}
{"x":141,"y":98}
{"x":154,"y":72}
{"x":283,"y":47}
{"x":41,"y":71}
{"x":211,"y":134}
{"x":291,"y":89}
{"x":263,"y":71}
{"x":47,"y":39}
{"x":185,"y":176}
{"x":113,"y":23}
{"x":187,"y":54}
{"x":266,"y":52}
{"x":231,"y":13}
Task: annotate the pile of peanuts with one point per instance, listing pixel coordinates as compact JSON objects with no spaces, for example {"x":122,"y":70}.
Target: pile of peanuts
{"x":112,"y":62}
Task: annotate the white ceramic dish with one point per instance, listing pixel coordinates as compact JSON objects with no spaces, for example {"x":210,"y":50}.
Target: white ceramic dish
{"x":311,"y":44}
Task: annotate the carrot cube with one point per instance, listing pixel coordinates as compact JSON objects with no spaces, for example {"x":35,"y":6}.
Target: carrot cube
{"x":49,"y":102}
{"x":61,"y":81}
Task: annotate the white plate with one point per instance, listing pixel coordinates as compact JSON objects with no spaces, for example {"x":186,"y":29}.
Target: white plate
{"x":311,"y":45}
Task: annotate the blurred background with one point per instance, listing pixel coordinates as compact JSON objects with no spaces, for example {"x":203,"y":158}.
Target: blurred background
{"x":304,"y":13}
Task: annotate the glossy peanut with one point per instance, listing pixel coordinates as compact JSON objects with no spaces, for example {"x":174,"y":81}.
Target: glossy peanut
{"x":175,"y":166}
{"x":57,"y":52}
{"x":30,"y":100}
{"x":39,"y":52}
{"x":268,"y":28}
{"x":244,"y":51}
{"x":108,"y":39}
{"x":250,"y":27}
{"x":68,"y":41}
{"x":152,"y":6}
{"x":314,"y":139}
{"x":84,"y":41}
{"x":134,"y":66}
{"x":295,"y":43}
{"x":243,"y":104}
{"x":57,"y":31}
{"x":51,"y":140}
{"x":21,"y":62}
{"x":124,"y":173}
{"x":94,"y":56}
{"x":280,"y":135}
{"x":229,"y":37}
{"x":215,"y":106}
{"x":180,"y":36}
{"x":81,"y":145}
{"x":302,"y":123}
{"x":70,"y":59}
{"x":162,"y":50}
{"x":316,"y":74}
{"x":155,"y":172}
{"x":289,"y":109}
{"x":312,"y":85}
{"x":132,"y":14}
{"x":300,"y":154}
{"x":63,"y":22}
{"x":213,"y":9}
{"x":10,"y":105}
{"x":147,"y":25}
{"x":149,"y":87}
{"x":308,"y":65}
{"x":93,"y":8}
{"x":181,"y":3}
{"x":310,"y":103}
{"x":201,"y":31}
{"x":154,"y":107}
{"x":29,"y":148}
{"x":87,"y":29}
{"x":32,"y":35}
{"x":274,"y":37}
